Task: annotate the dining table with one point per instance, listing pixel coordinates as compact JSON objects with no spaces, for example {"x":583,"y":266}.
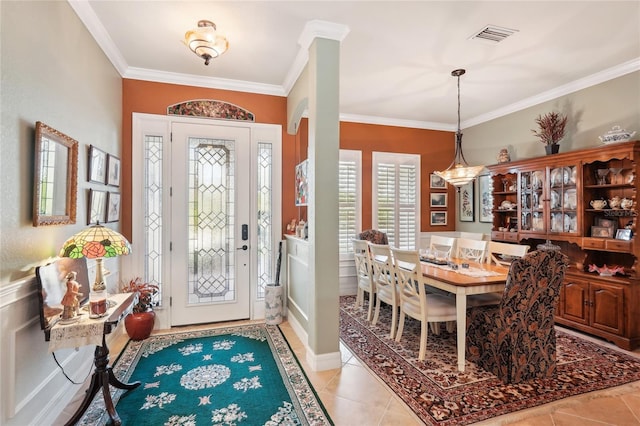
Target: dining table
{"x":463,"y":278}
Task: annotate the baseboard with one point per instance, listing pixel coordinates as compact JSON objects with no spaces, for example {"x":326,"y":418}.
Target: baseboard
{"x":329,"y":361}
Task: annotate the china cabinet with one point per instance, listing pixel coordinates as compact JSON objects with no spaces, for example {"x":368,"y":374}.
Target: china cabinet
{"x":584,"y":201}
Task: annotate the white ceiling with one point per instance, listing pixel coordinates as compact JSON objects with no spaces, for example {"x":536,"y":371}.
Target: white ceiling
{"x":397,"y":58}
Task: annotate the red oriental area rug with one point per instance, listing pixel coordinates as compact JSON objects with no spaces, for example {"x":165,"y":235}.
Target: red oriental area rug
{"x":440,"y":395}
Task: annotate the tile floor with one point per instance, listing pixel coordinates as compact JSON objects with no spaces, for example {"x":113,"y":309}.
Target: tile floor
{"x":353,"y":396}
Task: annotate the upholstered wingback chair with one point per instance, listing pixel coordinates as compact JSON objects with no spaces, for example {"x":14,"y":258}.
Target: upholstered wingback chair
{"x":374,"y":236}
{"x":515,"y":340}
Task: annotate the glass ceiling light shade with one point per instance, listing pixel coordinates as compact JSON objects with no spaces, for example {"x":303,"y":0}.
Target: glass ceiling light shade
{"x":205,"y":42}
{"x":459,"y":173}
{"x":96,"y":242}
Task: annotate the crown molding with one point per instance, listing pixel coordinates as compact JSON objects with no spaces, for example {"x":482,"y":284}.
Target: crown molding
{"x":397,"y":122}
{"x":583,"y":83}
{"x":201,"y":81}
{"x":99,"y":33}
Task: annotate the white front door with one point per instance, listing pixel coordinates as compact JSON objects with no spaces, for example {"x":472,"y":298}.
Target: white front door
{"x":210,"y":224}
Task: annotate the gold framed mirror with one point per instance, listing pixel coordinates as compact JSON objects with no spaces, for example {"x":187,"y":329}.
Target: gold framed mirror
{"x":56,"y":177}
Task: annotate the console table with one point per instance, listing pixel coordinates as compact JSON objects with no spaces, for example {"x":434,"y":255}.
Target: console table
{"x":88,"y":331}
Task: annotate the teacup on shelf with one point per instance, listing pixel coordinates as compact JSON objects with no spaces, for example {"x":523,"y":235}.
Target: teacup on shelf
{"x":626,"y":203}
{"x":615,"y":202}
{"x":598,"y":204}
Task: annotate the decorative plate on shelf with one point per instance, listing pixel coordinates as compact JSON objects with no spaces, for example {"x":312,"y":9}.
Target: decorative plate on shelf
{"x":570,"y":199}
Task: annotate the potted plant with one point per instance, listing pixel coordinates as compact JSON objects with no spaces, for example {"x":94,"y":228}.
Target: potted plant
{"x":550,"y":130}
{"x":140,"y":322}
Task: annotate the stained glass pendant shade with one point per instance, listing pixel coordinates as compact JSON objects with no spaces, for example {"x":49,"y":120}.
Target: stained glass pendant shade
{"x":96,"y":242}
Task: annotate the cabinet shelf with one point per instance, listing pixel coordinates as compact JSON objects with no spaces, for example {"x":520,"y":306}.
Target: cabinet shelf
{"x":610,"y":186}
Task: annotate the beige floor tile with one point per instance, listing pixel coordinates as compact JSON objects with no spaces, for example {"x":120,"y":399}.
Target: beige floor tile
{"x":395,"y":418}
{"x":357,"y":384}
{"x":604,"y":410}
{"x":560,"y":419}
{"x":348,"y":412}
{"x":543,"y":420}
{"x":632,"y":401}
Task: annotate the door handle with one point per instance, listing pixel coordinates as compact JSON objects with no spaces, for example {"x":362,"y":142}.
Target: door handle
{"x":244,"y":247}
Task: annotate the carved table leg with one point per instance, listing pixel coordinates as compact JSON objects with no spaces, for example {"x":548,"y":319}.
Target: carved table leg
{"x":102,"y":377}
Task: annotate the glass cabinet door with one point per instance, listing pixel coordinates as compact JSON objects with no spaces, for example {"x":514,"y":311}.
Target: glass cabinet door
{"x":532,"y":185}
{"x":563,"y":200}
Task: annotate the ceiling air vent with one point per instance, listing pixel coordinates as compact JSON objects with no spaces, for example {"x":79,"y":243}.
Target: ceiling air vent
{"x":492,"y":34}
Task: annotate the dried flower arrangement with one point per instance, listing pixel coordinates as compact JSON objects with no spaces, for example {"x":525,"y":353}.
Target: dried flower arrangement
{"x":146,"y":293}
{"x":551,"y":127}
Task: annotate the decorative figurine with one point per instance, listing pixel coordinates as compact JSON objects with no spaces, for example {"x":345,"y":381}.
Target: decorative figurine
{"x":503,"y":156}
{"x":70,"y":298}
{"x":291,"y":227}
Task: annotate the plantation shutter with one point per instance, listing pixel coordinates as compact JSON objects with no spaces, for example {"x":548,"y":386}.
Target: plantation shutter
{"x":396,"y":198}
{"x":348,"y":199}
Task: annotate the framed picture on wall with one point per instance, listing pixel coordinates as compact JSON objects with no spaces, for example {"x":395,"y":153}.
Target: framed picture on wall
{"x":436,"y":182}
{"x":485,"y":199}
{"x":97,"y":165}
{"x":97,"y":207}
{"x":113,"y":207}
{"x":438,"y":199}
{"x":113,"y":170}
{"x":302,"y":187}
{"x":438,"y":218}
{"x":466,"y":203}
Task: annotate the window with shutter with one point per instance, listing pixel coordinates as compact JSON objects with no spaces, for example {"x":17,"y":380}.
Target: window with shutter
{"x":396,"y":198}
{"x":349,"y":183}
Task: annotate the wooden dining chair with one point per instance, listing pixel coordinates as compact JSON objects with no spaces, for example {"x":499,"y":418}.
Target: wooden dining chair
{"x":498,"y":254}
{"x":385,"y":283}
{"x":472,"y":235}
{"x":473,"y":250}
{"x":414,"y":300}
{"x":442,"y":244}
{"x":363,"y":275}
{"x":503,"y":253}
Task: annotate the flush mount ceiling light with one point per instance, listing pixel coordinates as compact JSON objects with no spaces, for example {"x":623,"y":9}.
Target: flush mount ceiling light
{"x":459,"y":173}
{"x":205,"y":42}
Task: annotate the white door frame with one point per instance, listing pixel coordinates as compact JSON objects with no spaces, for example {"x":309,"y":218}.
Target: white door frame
{"x":160,"y":125}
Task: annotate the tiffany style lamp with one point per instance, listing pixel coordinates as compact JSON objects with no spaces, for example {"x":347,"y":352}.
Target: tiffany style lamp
{"x":96,"y":242}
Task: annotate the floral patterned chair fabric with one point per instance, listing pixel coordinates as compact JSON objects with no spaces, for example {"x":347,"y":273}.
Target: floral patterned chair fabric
{"x":516,"y":340}
{"x":374,"y":236}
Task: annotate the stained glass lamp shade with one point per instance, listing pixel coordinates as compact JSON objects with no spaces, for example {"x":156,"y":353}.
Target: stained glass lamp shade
{"x":96,"y":242}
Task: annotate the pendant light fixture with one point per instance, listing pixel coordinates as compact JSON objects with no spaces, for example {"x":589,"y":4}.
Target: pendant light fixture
{"x":459,"y":173}
{"x":205,"y":42}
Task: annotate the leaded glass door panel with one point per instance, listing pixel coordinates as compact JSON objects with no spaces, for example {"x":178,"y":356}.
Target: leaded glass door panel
{"x":210,"y":206}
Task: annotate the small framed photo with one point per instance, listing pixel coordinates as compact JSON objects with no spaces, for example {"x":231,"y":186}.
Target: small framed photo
{"x":113,"y":170}
{"x":623,"y":234}
{"x":302,"y":186}
{"x":97,"y":207}
{"x":97,"y":165}
{"x":436,"y":182}
{"x":466,"y":203}
{"x":607,"y":223}
{"x":485,"y":199}
{"x":438,"y":218}
{"x":438,"y":199}
{"x":601,"y":232}
{"x":113,"y":207}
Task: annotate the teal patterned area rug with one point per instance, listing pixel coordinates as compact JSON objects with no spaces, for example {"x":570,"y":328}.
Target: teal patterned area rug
{"x":239,"y":375}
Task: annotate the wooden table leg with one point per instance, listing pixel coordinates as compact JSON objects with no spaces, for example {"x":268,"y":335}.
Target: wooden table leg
{"x":461,"y":314}
{"x":102,"y":377}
